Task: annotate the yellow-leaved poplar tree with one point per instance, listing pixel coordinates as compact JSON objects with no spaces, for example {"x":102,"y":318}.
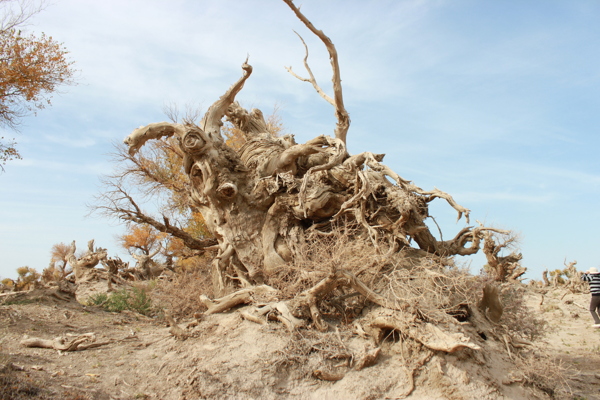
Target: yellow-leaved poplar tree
{"x":32,"y":67}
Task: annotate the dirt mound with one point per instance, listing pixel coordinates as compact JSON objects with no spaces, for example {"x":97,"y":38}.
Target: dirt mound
{"x":226,"y":356}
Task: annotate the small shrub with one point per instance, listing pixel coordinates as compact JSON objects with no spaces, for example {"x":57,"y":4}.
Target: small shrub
{"x":135,"y":299}
{"x":544,"y":373}
{"x":118,"y":301}
{"x":97,"y":299}
{"x":518,"y":318}
{"x":139,"y":301}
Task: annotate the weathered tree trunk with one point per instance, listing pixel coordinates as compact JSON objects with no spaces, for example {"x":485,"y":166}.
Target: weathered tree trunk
{"x":545,"y":280}
{"x":259,"y":201}
{"x":83,"y":267}
{"x":575,"y":284}
{"x":504,"y":268}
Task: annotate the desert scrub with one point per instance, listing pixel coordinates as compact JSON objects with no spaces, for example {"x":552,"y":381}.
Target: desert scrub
{"x":180,"y":295}
{"x":134,"y":299}
{"x":518,"y":318}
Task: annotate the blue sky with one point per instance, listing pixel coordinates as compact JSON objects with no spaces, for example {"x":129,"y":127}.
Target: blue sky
{"x":496,"y":103}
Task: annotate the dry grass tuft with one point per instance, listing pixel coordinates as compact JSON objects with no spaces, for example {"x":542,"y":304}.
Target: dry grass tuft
{"x":180,"y":296}
{"x":322,"y":254}
{"x":518,"y":318}
{"x":431,"y":288}
{"x":308,"y":350}
{"x":543,"y":373}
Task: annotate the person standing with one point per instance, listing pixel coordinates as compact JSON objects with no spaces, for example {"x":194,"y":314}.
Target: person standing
{"x":593,"y":277}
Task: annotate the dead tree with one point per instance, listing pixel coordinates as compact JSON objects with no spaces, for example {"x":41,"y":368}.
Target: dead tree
{"x":146,"y":267}
{"x":263,"y":200}
{"x":574,"y":284}
{"x":503,"y":268}
{"x":546,"y":282}
{"x":84,"y":266}
{"x":115,"y":267}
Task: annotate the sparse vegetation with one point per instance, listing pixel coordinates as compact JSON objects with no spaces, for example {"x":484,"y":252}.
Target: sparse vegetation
{"x":134,"y":299}
{"x":544,"y":373}
{"x":331,"y":249}
{"x":180,"y":296}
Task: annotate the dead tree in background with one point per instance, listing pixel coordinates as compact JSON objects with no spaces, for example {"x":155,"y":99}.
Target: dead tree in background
{"x":502,"y":268}
{"x":84,"y":266}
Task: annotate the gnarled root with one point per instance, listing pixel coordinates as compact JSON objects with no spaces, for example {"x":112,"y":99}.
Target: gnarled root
{"x":244,"y":296}
{"x":311,"y":297}
{"x":411,"y":372}
{"x":366,"y":358}
{"x":278,"y":311}
{"x":429,"y":335}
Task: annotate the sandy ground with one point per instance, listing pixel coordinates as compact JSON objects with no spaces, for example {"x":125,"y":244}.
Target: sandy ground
{"x":572,"y":338}
{"x":226,"y":357}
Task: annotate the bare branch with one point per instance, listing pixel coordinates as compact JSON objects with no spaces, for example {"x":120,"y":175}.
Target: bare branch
{"x":18,"y":13}
{"x":342,"y":116}
{"x":312,"y":80}
{"x":141,"y":135}
{"x":212,"y":121}
{"x":119,"y":203}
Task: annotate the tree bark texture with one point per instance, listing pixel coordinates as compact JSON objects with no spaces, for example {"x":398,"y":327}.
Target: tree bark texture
{"x":260,"y":200}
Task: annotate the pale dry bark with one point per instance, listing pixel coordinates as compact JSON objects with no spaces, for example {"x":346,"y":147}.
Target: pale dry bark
{"x":503,"y":268}
{"x":146,"y":267}
{"x":81,"y":342}
{"x":84,"y":266}
{"x":260,"y":200}
{"x":425,"y":333}
{"x":490,"y":303}
{"x":575,"y":284}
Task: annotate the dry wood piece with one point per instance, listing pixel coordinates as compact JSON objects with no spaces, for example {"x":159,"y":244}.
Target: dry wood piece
{"x":84,"y":266}
{"x":504,"y":268}
{"x":250,"y":316}
{"x":81,"y":342}
{"x":325,"y":375}
{"x":427,"y":334}
{"x":175,"y":329}
{"x":415,"y":366}
{"x":490,"y":303}
{"x":367,"y":358}
{"x":243,"y":296}
{"x":311,"y":297}
{"x":284,"y":315}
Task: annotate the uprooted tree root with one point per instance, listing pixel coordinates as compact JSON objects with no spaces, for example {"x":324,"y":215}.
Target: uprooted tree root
{"x":344,"y":287}
{"x":321,"y":241}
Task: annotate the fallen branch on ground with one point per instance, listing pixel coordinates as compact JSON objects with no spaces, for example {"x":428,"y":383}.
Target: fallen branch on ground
{"x":62,"y":344}
{"x":243,"y":296}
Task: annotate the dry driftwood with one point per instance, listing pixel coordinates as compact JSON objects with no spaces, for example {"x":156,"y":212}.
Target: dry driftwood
{"x":243,"y":296}
{"x":81,"y":342}
{"x":84,"y":266}
{"x":426,"y":333}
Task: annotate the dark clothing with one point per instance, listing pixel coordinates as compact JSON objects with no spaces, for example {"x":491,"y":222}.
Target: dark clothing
{"x":594,"y":280}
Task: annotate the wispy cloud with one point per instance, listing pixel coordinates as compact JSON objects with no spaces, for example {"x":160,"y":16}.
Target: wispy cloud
{"x":77,"y":142}
{"x":481,"y":197}
{"x":493,"y":103}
